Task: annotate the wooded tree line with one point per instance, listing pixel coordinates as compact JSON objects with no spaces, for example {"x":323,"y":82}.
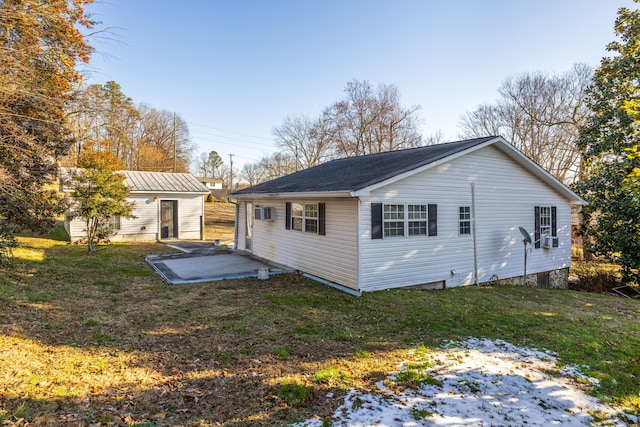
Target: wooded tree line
{"x":539,"y":113}
{"x":141,"y":137}
{"x":580,"y":126}
{"x":367,"y":120}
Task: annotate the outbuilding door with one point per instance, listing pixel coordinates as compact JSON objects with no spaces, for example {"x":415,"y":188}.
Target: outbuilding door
{"x":169,"y":219}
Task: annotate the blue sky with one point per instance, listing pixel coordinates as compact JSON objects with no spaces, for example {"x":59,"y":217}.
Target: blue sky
{"x":235,"y":69}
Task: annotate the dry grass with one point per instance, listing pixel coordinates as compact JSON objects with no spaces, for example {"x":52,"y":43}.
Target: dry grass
{"x":98,"y":339}
{"x":219,"y":220}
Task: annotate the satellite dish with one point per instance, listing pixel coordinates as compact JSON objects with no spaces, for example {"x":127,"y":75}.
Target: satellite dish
{"x":525,"y":234}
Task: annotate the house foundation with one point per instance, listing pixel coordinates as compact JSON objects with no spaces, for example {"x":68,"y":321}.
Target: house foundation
{"x":555,"y":279}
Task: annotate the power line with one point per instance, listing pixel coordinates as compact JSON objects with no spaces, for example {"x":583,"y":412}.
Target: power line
{"x":230,"y":131}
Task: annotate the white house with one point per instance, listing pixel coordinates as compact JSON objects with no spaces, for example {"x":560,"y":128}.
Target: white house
{"x":211,"y":183}
{"x":214,"y":185}
{"x":167,"y":206}
{"x":439,"y":216}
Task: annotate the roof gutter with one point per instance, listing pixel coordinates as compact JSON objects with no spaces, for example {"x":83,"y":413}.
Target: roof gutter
{"x":294,"y":195}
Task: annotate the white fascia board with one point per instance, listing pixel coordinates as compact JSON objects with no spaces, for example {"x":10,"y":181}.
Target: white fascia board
{"x":296,"y":195}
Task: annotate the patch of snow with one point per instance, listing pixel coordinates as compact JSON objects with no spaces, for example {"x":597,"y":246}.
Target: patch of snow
{"x":484,"y":383}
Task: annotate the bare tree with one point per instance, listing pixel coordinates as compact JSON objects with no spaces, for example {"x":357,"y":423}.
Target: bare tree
{"x":168,"y":133}
{"x":306,"y":140}
{"x":369,"y":121}
{"x":541,"y":115}
{"x":140,"y":136}
{"x":276,"y":165}
{"x":252,"y":173}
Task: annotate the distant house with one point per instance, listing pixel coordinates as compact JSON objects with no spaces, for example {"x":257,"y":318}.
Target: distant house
{"x":168,"y":206}
{"x":214,"y":185}
{"x":438,"y":216}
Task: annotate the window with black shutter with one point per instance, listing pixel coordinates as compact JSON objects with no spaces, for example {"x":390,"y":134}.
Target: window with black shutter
{"x":402,"y":220}
{"x":545,"y":226}
{"x":306,"y":217}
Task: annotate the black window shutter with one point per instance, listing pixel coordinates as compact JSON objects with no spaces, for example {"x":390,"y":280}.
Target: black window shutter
{"x":536,"y":226}
{"x":554,"y":227}
{"x":321,"y":219}
{"x":376,"y":220}
{"x":287,"y":215}
{"x":432,"y":215}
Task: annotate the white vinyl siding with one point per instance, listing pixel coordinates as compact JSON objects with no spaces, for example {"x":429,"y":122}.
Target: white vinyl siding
{"x":332,"y":257}
{"x":505,"y":196}
{"x":241,"y":226}
{"x":144,"y":227}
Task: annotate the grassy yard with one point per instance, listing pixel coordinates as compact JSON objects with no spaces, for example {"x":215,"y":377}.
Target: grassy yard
{"x":98,"y":339}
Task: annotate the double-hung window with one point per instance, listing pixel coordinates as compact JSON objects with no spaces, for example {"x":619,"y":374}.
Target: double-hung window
{"x":114,"y":222}
{"x":417,"y":216}
{"x":306,"y":217}
{"x":545,"y":225}
{"x":545,"y":220}
{"x":311,"y":217}
{"x":465,"y":220}
{"x":400,"y":220}
{"x":297,"y":216}
{"x":393,"y":220}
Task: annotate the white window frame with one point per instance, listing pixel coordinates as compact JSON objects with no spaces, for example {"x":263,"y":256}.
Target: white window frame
{"x":115,"y":222}
{"x":393,"y":215}
{"x":305,"y":217}
{"x":405,"y":220}
{"x":545,"y":221}
{"x":464,"y":220}
{"x":311,"y":218}
{"x":417,"y":219}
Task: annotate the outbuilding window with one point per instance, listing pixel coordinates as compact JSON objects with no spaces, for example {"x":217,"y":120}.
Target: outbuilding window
{"x":114,"y":222}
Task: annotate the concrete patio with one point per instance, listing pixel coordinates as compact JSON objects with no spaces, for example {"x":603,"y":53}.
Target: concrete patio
{"x":201,"y":262}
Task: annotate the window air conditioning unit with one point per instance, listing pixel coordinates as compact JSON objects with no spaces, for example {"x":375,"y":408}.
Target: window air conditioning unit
{"x":548,"y":241}
{"x":263,"y":214}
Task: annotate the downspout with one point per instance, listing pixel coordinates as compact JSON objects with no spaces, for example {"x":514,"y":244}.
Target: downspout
{"x":473,"y":228}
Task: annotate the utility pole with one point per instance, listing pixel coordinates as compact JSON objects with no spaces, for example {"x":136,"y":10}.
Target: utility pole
{"x":175,"y":145}
{"x":231,"y":172}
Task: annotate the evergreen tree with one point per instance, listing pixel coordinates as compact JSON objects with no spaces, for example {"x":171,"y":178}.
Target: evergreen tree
{"x":611,"y":221}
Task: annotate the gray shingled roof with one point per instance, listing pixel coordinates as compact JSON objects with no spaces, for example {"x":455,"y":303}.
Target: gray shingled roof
{"x":356,"y":173}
